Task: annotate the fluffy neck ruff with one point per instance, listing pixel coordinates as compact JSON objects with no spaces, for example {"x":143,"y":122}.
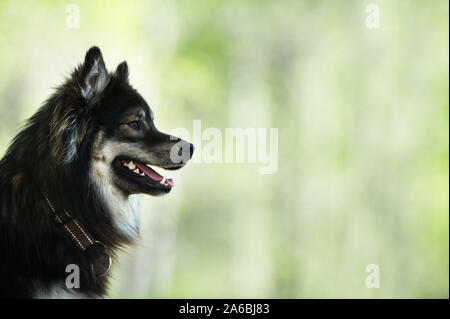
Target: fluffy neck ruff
{"x":42,"y":250}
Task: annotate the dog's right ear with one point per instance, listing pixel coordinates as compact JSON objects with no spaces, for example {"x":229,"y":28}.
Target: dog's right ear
{"x":122,"y":71}
{"x":94,"y":76}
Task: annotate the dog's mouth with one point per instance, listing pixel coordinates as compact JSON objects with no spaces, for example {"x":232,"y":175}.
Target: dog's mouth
{"x":144,"y":176}
{"x":145,"y":170}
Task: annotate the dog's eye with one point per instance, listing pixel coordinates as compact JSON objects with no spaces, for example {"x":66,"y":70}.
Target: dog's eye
{"x":135,"y":125}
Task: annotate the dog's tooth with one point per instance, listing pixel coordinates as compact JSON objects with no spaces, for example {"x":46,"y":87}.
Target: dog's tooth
{"x":142,"y":174}
{"x":136,"y":171}
{"x":163,"y":181}
{"x":130,"y":165}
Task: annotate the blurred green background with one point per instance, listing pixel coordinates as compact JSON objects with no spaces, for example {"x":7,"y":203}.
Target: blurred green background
{"x":362,"y":118}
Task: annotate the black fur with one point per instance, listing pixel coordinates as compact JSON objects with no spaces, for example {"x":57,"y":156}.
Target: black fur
{"x":34,"y":251}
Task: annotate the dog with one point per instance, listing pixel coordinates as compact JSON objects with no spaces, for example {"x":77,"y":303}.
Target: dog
{"x":70,"y":183}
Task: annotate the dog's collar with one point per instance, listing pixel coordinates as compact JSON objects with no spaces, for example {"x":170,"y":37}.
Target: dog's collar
{"x":95,"y":250}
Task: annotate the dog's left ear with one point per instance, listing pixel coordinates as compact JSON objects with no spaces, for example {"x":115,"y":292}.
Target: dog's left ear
{"x":94,"y":76}
{"x":68,"y":126}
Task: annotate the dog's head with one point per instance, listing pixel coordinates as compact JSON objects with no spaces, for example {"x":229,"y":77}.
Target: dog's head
{"x":103,"y":116}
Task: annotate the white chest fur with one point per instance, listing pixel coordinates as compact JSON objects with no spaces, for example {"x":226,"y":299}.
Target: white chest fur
{"x":124,"y":209}
{"x":60,"y":291}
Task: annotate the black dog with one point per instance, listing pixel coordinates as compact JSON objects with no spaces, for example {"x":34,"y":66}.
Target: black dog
{"x":68,"y":183}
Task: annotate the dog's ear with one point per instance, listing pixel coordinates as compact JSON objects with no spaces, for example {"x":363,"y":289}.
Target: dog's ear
{"x":94,"y":76}
{"x":122,"y":71}
{"x":69,"y":124}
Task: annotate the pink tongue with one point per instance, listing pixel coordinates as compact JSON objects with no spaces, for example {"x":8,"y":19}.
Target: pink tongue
{"x":150,"y":172}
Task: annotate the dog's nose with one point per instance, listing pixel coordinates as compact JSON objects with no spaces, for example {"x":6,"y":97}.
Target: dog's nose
{"x":183,"y":150}
{"x":192,"y":148}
